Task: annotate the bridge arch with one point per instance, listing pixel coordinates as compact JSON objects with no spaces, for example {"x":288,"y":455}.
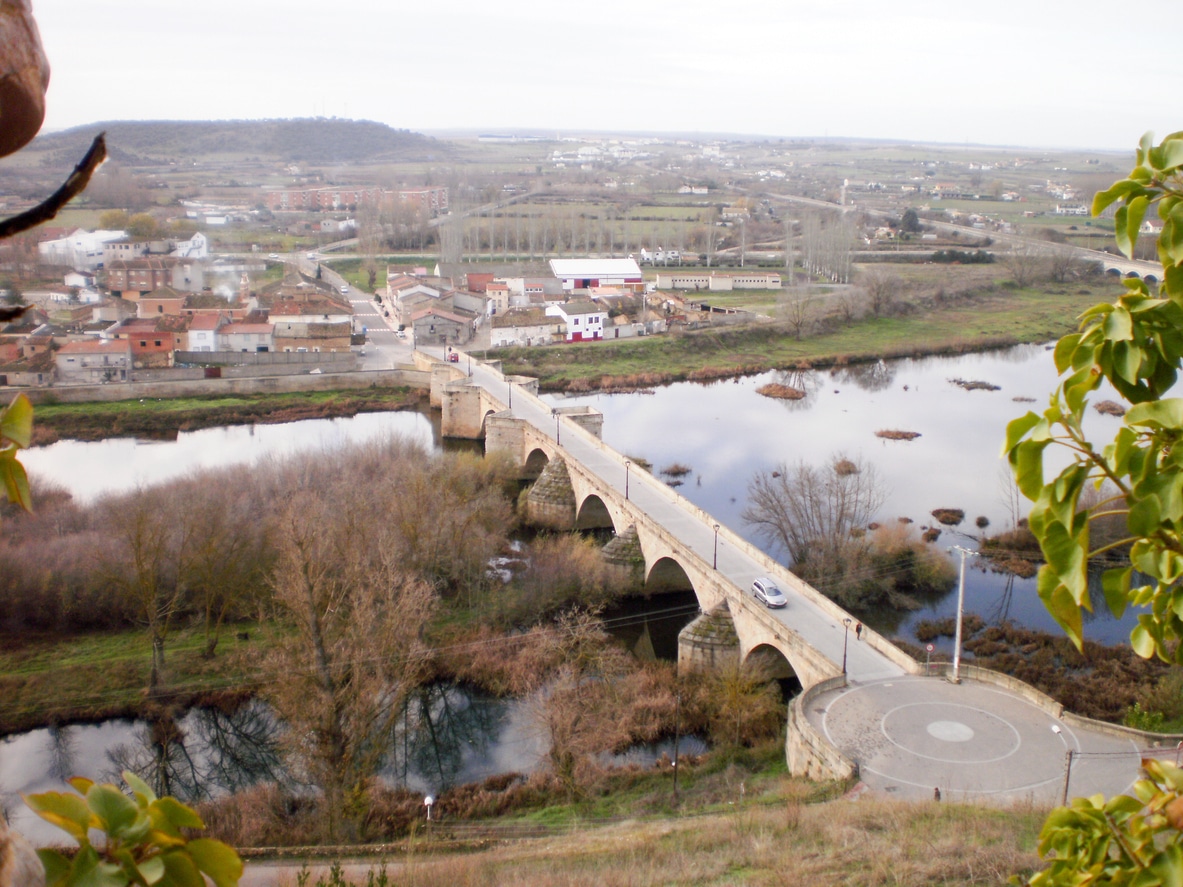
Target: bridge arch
{"x":485,"y":423}
{"x":535,"y":463}
{"x":593,"y":514}
{"x":1113,"y":272}
{"x":772,"y":661}
{"x":666,"y":575}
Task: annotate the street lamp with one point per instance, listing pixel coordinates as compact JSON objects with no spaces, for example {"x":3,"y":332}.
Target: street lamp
{"x":960,"y":604}
{"x":509,"y":386}
{"x":845,"y":639}
{"x":555,"y":413}
{"x":715,"y":562}
{"x":627,"y":463}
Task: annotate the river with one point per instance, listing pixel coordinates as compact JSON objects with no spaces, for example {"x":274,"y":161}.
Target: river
{"x":725,"y":432}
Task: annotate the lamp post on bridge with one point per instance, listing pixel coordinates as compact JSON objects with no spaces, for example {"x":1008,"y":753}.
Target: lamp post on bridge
{"x":845,"y":639}
{"x":715,"y":560}
{"x":627,"y":464}
{"x":555,"y":414}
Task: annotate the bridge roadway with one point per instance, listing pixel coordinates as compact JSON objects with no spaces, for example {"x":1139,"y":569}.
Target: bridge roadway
{"x":907,"y":733}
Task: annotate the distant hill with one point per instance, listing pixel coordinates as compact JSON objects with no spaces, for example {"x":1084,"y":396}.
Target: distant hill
{"x":313,"y":141}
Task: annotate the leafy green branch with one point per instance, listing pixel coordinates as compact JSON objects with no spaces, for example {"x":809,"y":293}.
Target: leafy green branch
{"x":144,"y":842}
{"x":1136,"y":345}
{"x":16,"y":433}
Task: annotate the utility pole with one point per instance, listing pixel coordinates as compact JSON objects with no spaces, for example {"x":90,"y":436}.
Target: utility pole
{"x":677,"y":737}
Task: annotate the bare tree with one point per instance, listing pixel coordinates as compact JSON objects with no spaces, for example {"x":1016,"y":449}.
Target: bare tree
{"x":579,"y":706}
{"x":798,"y":314}
{"x":1026,"y":263}
{"x":148,"y":561}
{"x":344,"y":676}
{"x":882,"y":288}
{"x":814,"y":514}
{"x":1062,"y":263}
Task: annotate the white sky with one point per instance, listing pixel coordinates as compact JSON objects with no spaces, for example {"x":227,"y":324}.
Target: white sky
{"x":1005,"y":72}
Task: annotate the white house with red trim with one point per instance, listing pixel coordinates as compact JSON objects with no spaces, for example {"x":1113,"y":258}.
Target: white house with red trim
{"x":584,"y":320}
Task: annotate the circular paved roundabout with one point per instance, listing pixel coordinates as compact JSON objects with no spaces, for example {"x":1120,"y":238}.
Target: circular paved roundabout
{"x":972,"y":741}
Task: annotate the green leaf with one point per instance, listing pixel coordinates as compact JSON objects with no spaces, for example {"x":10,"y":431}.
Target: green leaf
{"x":1157,"y":414}
{"x":1142,"y":641}
{"x":216,"y":860}
{"x":1145,"y":516}
{"x":143,"y":792}
{"x":181,"y":871}
{"x":1116,"y":585}
{"x":152,"y":869}
{"x":1118,"y":191}
{"x":113,"y":808}
{"x":16,"y":422}
{"x":1118,"y":325}
{"x":176,"y":814}
{"x":1017,"y":429}
{"x":1060,"y":603}
{"x":1167,"y":866}
{"x":56,"y":866}
{"x":1172,"y":152}
{"x":67,"y":812}
{"x":16,"y":482}
{"x":1027,"y":462}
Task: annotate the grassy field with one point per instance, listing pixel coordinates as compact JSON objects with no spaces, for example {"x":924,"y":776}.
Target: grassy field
{"x":994,"y":317}
{"x":156,"y":417}
{"x":782,"y":842}
{"x":49,"y":678}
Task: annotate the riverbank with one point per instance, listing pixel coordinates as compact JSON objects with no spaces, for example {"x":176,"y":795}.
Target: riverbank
{"x":57,"y":678}
{"x":164,"y":418}
{"x":993,"y":317}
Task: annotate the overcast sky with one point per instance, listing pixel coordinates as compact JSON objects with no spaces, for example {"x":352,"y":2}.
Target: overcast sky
{"x":1004,"y":72}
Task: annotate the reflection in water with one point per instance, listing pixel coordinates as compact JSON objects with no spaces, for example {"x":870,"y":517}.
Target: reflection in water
{"x":61,"y":752}
{"x":870,"y":376}
{"x":209,"y":752}
{"x":442,"y":728}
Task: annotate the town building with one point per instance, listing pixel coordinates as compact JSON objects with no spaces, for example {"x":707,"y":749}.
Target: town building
{"x":582,"y":274}
{"x":521,"y":327}
{"x":93,"y":361}
{"x":583,"y":320}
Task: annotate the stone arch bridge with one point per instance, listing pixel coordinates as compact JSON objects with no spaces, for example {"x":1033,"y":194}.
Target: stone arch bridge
{"x":581,"y":483}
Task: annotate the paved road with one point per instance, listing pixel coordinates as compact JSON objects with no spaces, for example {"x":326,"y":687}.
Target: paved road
{"x":972,"y":741}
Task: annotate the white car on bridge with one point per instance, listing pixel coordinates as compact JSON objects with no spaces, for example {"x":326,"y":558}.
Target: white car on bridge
{"x":765,"y":591}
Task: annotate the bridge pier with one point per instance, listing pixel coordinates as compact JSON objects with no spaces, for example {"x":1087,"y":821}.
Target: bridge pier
{"x":709,"y":643}
{"x":624,"y":557}
{"x":550,"y":502}
{"x":462,"y":410}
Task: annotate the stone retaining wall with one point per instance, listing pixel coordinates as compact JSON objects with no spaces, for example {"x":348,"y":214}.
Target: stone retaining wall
{"x":808,"y":752}
{"x":198,"y":387}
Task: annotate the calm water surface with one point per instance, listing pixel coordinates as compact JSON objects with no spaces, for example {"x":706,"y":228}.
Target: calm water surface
{"x":726,"y":432}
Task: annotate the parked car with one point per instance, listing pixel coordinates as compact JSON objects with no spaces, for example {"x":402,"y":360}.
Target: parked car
{"x":273,"y":255}
{"x":766,"y":591}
